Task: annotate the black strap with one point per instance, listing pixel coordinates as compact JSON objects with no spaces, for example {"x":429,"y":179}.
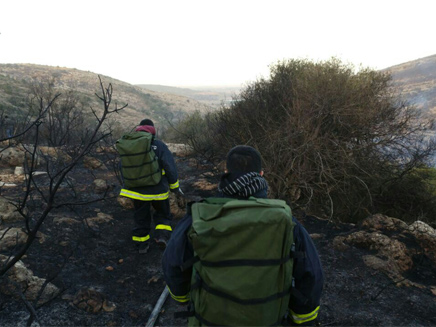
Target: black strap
{"x":183,"y":314}
{"x":141,"y":164}
{"x":208,"y":323}
{"x":246,"y":262}
{"x":133,"y":179}
{"x":235,"y":263}
{"x":204,"y":321}
{"x":135,"y":154}
{"x":201,"y":284}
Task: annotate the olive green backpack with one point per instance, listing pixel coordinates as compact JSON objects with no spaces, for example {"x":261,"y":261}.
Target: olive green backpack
{"x":242,"y":270}
{"x":139,"y":163}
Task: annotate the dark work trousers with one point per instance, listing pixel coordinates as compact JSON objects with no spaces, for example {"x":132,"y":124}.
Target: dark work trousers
{"x":143,"y":216}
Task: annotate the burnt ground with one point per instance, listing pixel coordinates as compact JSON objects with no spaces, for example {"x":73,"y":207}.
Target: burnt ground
{"x":102,"y":259}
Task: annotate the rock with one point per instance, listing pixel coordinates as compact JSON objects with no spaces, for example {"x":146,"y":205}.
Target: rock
{"x":391,"y":256}
{"x":89,"y":299}
{"x":100,"y":185}
{"x":126,"y":203}
{"x":54,"y":154}
{"x":386,"y":247}
{"x":181,"y":150}
{"x":101,"y":218}
{"x":22,"y":278}
{"x":386,"y":266}
{"x":339,"y":245}
{"x":19,"y":170}
{"x":381,"y":222}
{"x":108,"y":306}
{"x":41,"y":237}
{"x":420,"y":228}
{"x":3,"y":184}
{"x":203,"y":184}
{"x":8,"y":211}
{"x":425,"y":236}
{"x":316,"y":236}
{"x":65,"y":220}
{"x":12,"y":157}
{"x":39,"y":173}
{"x":93,"y":163}
{"x":11,"y":238}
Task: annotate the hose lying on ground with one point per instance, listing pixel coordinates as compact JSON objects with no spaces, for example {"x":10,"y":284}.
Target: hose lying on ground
{"x":157,"y":308}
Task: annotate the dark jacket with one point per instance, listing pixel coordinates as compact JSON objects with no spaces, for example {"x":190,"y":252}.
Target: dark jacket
{"x":308,"y":273}
{"x":169,"y":179}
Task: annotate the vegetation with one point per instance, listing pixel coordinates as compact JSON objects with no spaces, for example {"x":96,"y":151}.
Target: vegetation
{"x":58,"y":121}
{"x":334,"y":141}
{"x":17,"y":82}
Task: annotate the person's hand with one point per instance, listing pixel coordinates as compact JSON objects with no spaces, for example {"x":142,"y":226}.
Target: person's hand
{"x":180,"y":198}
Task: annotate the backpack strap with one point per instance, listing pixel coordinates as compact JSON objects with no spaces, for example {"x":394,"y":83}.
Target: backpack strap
{"x":200,"y":283}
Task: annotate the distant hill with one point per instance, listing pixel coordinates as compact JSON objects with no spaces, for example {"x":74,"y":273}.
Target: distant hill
{"x":211,"y":96}
{"x":416,"y":80}
{"x":16,"y":79}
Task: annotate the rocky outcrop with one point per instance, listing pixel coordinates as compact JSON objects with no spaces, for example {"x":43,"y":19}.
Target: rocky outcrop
{"x":9,"y":212}
{"x":12,"y":157}
{"x":11,"y":237}
{"x":101,"y":218}
{"x":16,"y":155}
{"x":92,"y":301}
{"x":93,"y":163}
{"x":385,"y":239}
{"x":22,"y":280}
{"x":100,"y":185}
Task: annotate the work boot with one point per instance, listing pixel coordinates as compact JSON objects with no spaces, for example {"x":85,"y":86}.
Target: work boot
{"x":143,"y":247}
{"x":162,"y":237}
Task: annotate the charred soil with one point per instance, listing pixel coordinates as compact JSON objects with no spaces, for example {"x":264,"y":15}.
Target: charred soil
{"x":104,"y":281}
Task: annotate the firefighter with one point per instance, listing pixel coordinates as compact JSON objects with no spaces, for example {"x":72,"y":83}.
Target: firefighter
{"x":148,"y":193}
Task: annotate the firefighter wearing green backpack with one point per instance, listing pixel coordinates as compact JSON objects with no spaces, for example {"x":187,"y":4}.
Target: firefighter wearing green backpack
{"x":242,"y":259}
{"x":149,"y":173}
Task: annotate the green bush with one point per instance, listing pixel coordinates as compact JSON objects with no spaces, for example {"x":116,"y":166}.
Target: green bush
{"x":334,"y":140}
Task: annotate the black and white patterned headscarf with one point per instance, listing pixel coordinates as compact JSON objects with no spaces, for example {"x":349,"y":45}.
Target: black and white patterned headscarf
{"x":244,"y":186}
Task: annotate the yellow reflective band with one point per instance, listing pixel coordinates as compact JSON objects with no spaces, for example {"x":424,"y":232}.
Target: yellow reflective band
{"x":302,"y":318}
{"x":163,"y":172}
{"x":184,"y":298}
{"x":140,"y":239}
{"x":175,"y":185}
{"x":144,"y":197}
{"x":166,"y":227}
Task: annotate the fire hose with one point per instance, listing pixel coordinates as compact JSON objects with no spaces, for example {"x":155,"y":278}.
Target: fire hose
{"x":157,"y":308}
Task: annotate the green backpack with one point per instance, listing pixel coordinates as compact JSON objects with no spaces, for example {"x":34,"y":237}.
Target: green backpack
{"x":139,"y":163}
{"x":242,"y":270}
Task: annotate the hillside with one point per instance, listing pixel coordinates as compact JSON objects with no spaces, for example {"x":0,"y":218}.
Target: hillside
{"x":416,"y":80}
{"x":16,"y":79}
{"x":211,"y":96}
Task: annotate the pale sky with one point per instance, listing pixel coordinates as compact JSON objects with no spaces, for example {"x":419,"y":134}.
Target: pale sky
{"x":211,"y":42}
